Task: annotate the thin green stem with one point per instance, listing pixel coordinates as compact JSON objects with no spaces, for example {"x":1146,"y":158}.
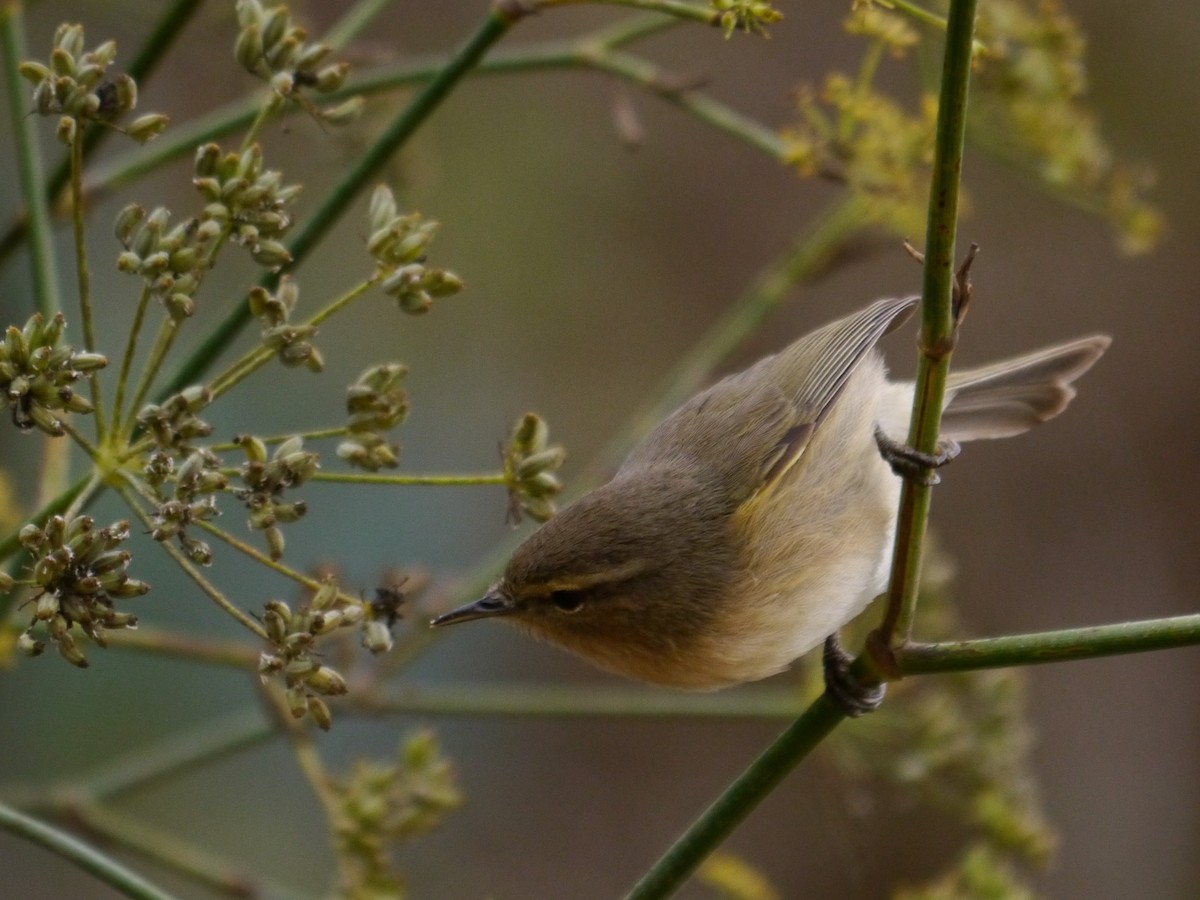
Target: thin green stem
{"x":258,"y":357}
{"x":162,"y":346}
{"x":135,"y":331}
{"x":314,"y":435}
{"x":81,"y":493}
{"x":259,"y":557}
{"x":53,"y":471}
{"x":130,"y":488}
{"x":267,"y":108}
{"x":925,"y":17}
{"x":84,"y":274}
{"x":705,"y":108}
{"x":377,"y":478}
{"x":87,"y":446}
{"x":618,"y":34}
{"x":749,"y":789}
{"x":46,"y":293}
{"x":578,"y":701}
{"x":678,"y":9}
{"x":159,"y":642}
{"x":74,"y":851}
{"x":938,"y":328}
{"x":500,"y":18}
{"x":1090,"y":642}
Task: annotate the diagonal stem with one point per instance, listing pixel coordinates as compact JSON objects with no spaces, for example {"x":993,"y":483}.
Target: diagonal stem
{"x":502,"y":16}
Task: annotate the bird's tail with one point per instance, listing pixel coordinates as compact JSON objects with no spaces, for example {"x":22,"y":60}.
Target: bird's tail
{"x":1005,"y":398}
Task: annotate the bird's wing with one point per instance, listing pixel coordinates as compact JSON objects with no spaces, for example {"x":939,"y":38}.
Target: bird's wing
{"x":750,"y":428}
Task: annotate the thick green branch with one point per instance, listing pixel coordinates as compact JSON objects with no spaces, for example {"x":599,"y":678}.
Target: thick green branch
{"x":740,"y":798}
{"x":1049,"y":646}
{"x":938,"y":328}
{"x":578,"y":701}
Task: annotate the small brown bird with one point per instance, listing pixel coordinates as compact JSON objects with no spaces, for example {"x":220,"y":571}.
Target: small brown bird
{"x":758,"y":518}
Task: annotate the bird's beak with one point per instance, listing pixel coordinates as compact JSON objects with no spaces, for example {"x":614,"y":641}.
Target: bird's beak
{"x":493,"y":603}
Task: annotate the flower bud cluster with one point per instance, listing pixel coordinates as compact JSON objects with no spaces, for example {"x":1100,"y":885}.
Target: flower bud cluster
{"x":171,"y":262}
{"x":271,"y":47}
{"x":174,"y":424}
{"x":750,"y":16}
{"x":376,"y":403}
{"x":37,"y":371}
{"x":248,"y":200}
{"x":79,"y":571}
{"x":293,"y":654}
{"x":399,"y":244}
{"x":73,"y":85}
{"x":382,"y":804}
{"x":529,"y":466}
{"x":267,"y":479}
{"x":194,"y":500}
{"x":287,"y":341}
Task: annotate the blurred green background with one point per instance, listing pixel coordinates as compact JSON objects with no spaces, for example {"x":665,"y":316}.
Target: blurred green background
{"x":590,"y":270}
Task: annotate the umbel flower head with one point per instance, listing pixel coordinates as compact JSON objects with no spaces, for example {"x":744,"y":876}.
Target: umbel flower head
{"x":79,"y":572}
{"x":37,"y":371}
{"x":399,"y":244}
{"x":74,"y":85}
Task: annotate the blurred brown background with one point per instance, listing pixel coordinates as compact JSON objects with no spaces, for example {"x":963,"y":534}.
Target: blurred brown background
{"x":590,"y":269}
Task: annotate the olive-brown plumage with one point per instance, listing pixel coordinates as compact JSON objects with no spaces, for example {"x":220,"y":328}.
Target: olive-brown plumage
{"x":758,"y":517}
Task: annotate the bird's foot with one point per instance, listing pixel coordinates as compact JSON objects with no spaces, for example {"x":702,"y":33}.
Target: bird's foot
{"x":841,"y":685}
{"x":908,"y":462}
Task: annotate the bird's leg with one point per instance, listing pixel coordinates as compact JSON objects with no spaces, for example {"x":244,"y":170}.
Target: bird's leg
{"x":851,"y":695}
{"x":908,"y":462}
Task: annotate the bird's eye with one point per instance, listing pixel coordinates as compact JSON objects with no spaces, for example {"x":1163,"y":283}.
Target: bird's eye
{"x":568,"y":601}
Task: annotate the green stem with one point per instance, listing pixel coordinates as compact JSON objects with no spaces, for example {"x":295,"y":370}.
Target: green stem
{"x":675,"y":8}
{"x":135,"y":331}
{"x":938,"y":328}
{"x":749,"y":789}
{"x":579,"y":701}
{"x":258,"y":357}
{"x":1048,"y":646}
{"x":184,"y":646}
{"x":46,"y":293}
{"x":267,"y":108}
{"x":500,"y":18}
{"x":84,"y":444}
{"x":70,"y":848}
{"x":162,"y":345}
{"x":262,"y":559}
{"x":705,"y":108}
{"x":130,"y":489}
{"x":375,"y":478}
{"x":84,"y":274}
{"x":314,"y":435}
